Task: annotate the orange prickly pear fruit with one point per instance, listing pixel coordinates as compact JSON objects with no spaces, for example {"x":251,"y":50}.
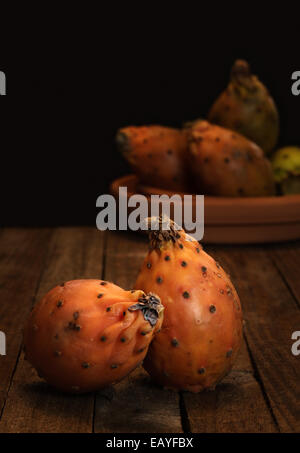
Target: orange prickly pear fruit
{"x":202,"y":328}
{"x":86,"y":334}
{"x":225,"y":163}
{"x":247,"y":107}
{"x":157,"y":155}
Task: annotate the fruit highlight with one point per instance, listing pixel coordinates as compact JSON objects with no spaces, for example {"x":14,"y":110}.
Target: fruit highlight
{"x":157,"y":155}
{"x":202,"y":328}
{"x":86,"y":334}
{"x":225,"y":163}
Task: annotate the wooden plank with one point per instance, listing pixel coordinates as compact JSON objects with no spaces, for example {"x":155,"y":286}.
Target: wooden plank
{"x":286,"y":258}
{"x":134,"y":405}
{"x":271,"y":316}
{"x":31,"y":405}
{"x":236,"y":406}
{"x":22,"y":254}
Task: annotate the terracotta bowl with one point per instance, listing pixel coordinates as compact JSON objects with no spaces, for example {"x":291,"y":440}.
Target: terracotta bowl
{"x":235,"y":220}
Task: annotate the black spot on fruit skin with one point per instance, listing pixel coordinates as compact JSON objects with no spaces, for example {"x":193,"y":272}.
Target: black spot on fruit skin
{"x":167,"y":258}
{"x":74,"y":326}
{"x":149,"y":265}
{"x":212,"y":308}
{"x":229,"y":353}
{"x":159,"y":280}
{"x":201,"y":370}
{"x":186,"y":295}
{"x":85,"y":365}
{"x":103,"y":338}
{"x":175,"y":342}
{"x":76,"y":315}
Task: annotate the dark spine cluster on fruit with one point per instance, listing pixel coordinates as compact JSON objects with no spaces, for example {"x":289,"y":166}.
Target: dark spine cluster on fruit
{"x":150,"y":306}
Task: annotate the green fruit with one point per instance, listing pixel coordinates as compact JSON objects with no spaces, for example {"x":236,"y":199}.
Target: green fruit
{"x":286,"y":168}
{"x":247,"y":107}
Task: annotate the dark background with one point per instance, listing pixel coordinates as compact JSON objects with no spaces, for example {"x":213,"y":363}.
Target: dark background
{"x":66,"y":100}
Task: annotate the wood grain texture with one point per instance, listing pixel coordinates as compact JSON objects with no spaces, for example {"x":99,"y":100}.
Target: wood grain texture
{"x":261,"y":394}
{"x":134,"y":405}
{"x":236,"y":405}
{"x":32,"y":406}
{"x":22,"y":256}
{"x":286,"y":258}
{"x":271,"y":316}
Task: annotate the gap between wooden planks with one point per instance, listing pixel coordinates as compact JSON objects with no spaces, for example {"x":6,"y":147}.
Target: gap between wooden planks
{"x":271,"y":315}
{"x":134,"y":405}
{"x":31,"y":405}
{"x":22,"y":256}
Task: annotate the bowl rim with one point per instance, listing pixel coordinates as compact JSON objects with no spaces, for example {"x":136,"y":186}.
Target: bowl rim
{"x":227,"y":210}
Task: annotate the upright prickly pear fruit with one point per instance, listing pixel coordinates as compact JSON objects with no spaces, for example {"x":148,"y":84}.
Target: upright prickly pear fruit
{"x":157,"y":155}
{"x":247,"y":107}
{"x":86,"y":334}
{"x":202,"y":328}
{"x":225,"y":163}
{"x":286,"y":167}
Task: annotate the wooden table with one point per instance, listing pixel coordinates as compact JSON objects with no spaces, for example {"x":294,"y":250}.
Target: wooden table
{"x":262,"y":393}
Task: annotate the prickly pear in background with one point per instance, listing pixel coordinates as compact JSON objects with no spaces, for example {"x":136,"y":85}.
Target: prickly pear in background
{"x":86,"y":334}
{"x":156,"y":154}
{"x":225,"y":163}
{"x":202,"y":328}
{"x":286,"y":167}
{"x":247,"y":107}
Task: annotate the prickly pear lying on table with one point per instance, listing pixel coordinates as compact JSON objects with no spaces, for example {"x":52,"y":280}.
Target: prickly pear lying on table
{"x":225,"y":163}
{"x":86,"y":334}
{"x":157,"y":155}
{"x":202,"y":328}
{"x":247,"y":107}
